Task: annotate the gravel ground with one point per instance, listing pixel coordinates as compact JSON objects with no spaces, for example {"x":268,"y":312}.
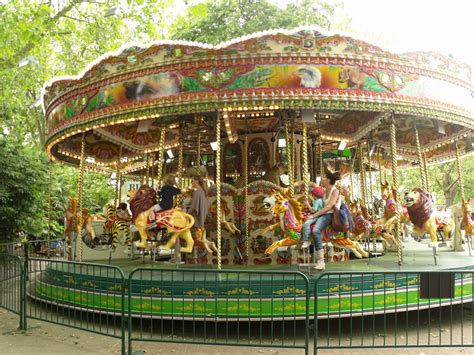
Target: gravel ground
{"x":47,"y":338}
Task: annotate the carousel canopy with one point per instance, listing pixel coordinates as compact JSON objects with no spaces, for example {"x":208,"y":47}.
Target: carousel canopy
{"x":344,"y":89}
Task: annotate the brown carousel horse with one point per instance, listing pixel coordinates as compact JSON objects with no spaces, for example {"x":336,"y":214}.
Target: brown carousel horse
{"x":466,"y":216}
{"x":176,"y":222}
{"x":363,"y":228}
{"x":387,"y":222}
{"x":420,"y":210}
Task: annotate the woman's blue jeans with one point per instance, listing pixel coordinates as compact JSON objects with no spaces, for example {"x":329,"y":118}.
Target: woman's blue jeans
{"x":318,"y":228}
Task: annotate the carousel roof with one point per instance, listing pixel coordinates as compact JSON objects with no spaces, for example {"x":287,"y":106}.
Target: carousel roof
{"x":341,"y":87}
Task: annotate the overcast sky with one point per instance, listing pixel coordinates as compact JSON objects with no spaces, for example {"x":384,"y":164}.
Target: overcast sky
{"x":411,"y":25}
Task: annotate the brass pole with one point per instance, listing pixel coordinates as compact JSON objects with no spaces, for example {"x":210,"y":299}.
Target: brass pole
{"x":161,"y":154}
{"x":420,"y":160}
{"x":180,"y":162}
{"x":370,"y":195}
{"x":153,"y":169}
{"x":198,"y":154}
{"x":362,"y":174}
{"x":459,"y":167}
{"x":293,"y":155}
{"x":247,"y":207}
{"x":50,"y":202}
{"x":81,"y":192}
{"x":320,"y":151}
{"x":393,"y":150}
{"x":289,"y":155}
{"x":425,"y":168}
{"x":117,"y":178}
{"x":147,"y":171}
{"x":305,"y":162}
{"x":218,"y":190}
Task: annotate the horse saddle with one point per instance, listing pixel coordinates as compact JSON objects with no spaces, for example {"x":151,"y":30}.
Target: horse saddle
{"x":441,"y":221}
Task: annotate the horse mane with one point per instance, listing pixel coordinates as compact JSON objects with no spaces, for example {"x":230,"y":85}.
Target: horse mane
{"x":296,"y":207}
{"x":144,"y":199}
{"x":422,"y":209}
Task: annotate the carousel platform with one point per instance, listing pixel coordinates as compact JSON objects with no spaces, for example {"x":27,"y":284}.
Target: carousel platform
{"x":189,"y":291}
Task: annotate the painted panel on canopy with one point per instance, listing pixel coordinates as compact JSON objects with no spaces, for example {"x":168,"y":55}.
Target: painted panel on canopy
{"x":248,"y":77}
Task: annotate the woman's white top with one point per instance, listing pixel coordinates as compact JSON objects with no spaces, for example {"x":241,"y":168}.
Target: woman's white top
{"x":326,"y":200}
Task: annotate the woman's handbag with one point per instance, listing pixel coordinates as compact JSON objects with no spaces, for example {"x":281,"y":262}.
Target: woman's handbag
{"x":340,"y":219}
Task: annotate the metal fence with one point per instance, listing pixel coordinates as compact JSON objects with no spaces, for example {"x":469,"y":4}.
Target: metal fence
{"x":219,"y":307}
{"x":394,"y":309}
{"x":66,"y":293}
{"x":240,"y":307}
{"x":12,"y":286}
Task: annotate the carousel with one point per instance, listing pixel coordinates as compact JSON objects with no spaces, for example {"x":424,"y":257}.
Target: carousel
{"x":261,"y":119}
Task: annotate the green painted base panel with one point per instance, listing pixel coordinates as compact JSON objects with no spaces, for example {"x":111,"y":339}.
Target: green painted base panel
{"x":196,"y":292}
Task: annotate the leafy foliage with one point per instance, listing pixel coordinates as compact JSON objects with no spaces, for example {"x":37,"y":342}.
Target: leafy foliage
{"x":218,"y":21}
{"x":443,"y":181}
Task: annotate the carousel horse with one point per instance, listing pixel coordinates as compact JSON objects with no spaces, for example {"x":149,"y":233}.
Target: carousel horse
{"x":289,"y":211}
{"x":72,"y":220}
{"x":176,"y":222}
{"x":388,"y":219}
{"x":363,"y":228}
{"x":420,"y":209}
{"x":466,"y":216}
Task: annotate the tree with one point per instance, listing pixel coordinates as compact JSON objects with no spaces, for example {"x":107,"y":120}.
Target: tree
{"x":49,"y":40}
{"x":23,"y":175}
{"x":218,"y":21}
{"x":443,"y":180}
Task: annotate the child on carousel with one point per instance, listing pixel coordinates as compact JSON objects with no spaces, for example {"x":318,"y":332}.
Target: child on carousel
{"x":167,"y":193}
{"x":318,"y":203}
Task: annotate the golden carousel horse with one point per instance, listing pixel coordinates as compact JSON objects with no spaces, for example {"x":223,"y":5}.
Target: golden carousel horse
{"x":72,"y":220}
{"x":289,"y":212}
{"x":466,"y":216}
{"x":420,"y":209}
{"x":176,"y":222}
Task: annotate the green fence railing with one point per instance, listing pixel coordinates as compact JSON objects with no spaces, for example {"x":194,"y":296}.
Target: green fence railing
{"x":12,"y":286}
{"x":394,"y":309}
{"x":243,"y":308}
{"x":219,"y":307}
{"x":84,"y":296}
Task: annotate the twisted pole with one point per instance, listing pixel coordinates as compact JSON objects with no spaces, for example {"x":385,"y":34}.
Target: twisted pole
{"x":393,"y":151}
{"x":247,"y":208}
{"x":218,"y":190}
{"x":50,"y":198}
{"x":147,"y":174}
{"x":161,"y":155}
{"x":81,"y":192}
{"x":420,"y":160}
{"x":289,"y":155}
{"x":459,"y":168}
{"x":117,"y":178}
{"x":370,"y":195}
{"x":306,"y":177}
{"x":180,"y":162}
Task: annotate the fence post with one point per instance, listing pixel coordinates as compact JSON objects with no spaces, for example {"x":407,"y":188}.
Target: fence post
{"x":129,"y":313}
{"x":22,"y":293}
{"x":122,"y":316}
